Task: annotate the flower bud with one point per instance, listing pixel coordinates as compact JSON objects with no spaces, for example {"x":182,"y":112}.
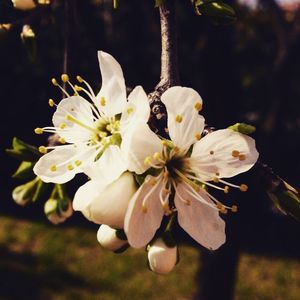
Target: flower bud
{"x":110,"y":239}
{"x":162,"y":259}
{"x":59,"y":207}
{"x":25,"y":193}
{"x":27,"y":33}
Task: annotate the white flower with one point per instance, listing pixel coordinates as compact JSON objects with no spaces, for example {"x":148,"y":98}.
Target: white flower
{"x":105,"y":198}
{"x":162,"y":259}
{"x":92,"y":129}
{"x":108,"y":238}
{"x":182,"y":169}
{"x":58,"y":210}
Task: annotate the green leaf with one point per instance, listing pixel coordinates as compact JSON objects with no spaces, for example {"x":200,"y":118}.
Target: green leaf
{"x":25,"y":170}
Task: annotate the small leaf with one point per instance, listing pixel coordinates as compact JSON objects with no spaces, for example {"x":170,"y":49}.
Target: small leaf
{"x":24,"y":171}
{"x":243,"y":128}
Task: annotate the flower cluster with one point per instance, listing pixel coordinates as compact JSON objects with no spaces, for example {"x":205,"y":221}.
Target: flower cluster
{"x":140,"y":183}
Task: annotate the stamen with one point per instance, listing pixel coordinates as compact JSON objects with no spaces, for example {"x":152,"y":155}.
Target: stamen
{"x":51,"y":103}
{"x":157,"y":156}
{"x":243,"y":188}
{"x":62,"y":140}
{"x":178,"y":119}
{"x":102,"y":101}
{"x":64,"y":78}
{"x":226,"y":189}
{"x":129,"y":110}
{"x":235,"y":153}
{"x":197,"y":136}
{"x":38,"y":130}
{"x":78,"y":163}
{"x":70,"y":167}
{"x":55,"y":83}
{"x":62,"y":125}
{"x":72,"y":119}
{"x":147,"y":160}
{"x":234,"y":208}
{"x":53,"y":168}
{"x":79,"y":78}
{"x":43,"y":149}
{"x":198,"y":106}
{"x":77,"y":88}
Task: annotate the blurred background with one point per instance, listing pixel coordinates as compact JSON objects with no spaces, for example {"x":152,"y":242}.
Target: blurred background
{"x":248,"y":71}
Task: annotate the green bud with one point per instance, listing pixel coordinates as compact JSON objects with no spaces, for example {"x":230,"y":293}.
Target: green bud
{"x":28,"y":192}
{"x":23,"y":151}
{"x":24,"y":170}
{"x":243,"y":128}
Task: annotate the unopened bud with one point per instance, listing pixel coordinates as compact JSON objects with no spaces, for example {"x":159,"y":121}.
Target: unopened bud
{"x":27,"y":33}
{"x":24,"y":194}
{"x":110,"y":239}
{"x":162,"y":259}
{"x":24,"y":4}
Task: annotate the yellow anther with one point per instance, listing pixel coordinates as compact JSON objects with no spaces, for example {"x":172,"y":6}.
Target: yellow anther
{"x":70,"y":167}
{"x":42,"y":149}
{"x":62,"y":126}
{"x":223,"y":210}
{"x":129,"y":110}
{"x":234,"y":208}
{"x":144,"y":209}
{"x":197,"y":136}
{"x":53,"y":168}
{"x":103,"y":134}
{"x":235,"y":153}
{"x":77,"y":88}
{"x":187,"y":202}
{"x":108,"y":127}
{"x":164,"y":142}
{"x":217,"y":174}
{"x":54,"y":81}
{"x":51,"y":102}
{"x":157,"y":156}
{"x":176,"y":149}
{"x":243,"y":188}
{"x":242,"y":157}
{"x":153,"y":181}
{"x":211,"y":152}
{"x":79,"y":78}
{"x":216,"y":180}
{"x":166,"y":173}
{"x":65,"y":77}
{"x":198,"y":106}
{"x":62,"y":140}
{"x":78,"y":163}
{"x":147,"y":160}
{"x":38,"y":130}
{"x":178,"y":119}
{"x":219,"y":206}
{"x":226,"y":189}
{"x":102,"y":101}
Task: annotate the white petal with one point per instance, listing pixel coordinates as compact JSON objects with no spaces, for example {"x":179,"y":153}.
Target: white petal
{"x":184,"y":122}
{"x":106,"y":203}
{"x":62,"y":157}
{"x":199,"y":220}
{"x":113,"y":86}
{"x":137,"y":108}
{"x":78,"y":108}
{"x":222,"y":143}
{"x":109,"y":167}
{"x":108,"y":239}
{"x":140,"y":225}
{"x":137,"y":144}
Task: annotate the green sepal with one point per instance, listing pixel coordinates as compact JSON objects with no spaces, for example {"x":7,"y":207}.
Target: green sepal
{"x":220,"y":12}
{"x":23,"y":151}
{"x":243,"y":128}
{"x":24,"y":170}
{"x":168,"y":239}
{"x":40,"y":190}
{"x":287,"y":201}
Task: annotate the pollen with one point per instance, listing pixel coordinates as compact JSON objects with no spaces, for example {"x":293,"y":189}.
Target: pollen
{"x":102,"y":101}
{"x":38,"y":130}
{"x":42,"y":149}
{"x":197,"y":136}
{"x":78,"y":163}
{"x":62,"y":140}
{"x":62,"y":126}
{"x":243,"y":188}
{"x":147,"y":160}
{"x":242,"y":157}
{"x":157,"y":156}
{"x":198,"y":106}
{"x":54,"y":82}
{"x":51,"y":102}
{"x":79,"y":78}
{"x":77,"y":88}
{"x":226,"y":189}
{"x":70,"y":167}
{"x":211,"y":152}
{"x":178,"y":119}
{"x":235,"y":153}
{"x":129,"y":110}
{"x":53,"y":168}
{"x":64,"y":77}
{"x":234,"y":208}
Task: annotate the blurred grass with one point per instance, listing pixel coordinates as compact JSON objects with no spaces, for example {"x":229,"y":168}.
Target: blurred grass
{"x":40,"y":261}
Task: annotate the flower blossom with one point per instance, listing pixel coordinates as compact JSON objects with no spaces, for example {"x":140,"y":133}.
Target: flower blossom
{"x":180,"y":167}
{"x":91,"y":130}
